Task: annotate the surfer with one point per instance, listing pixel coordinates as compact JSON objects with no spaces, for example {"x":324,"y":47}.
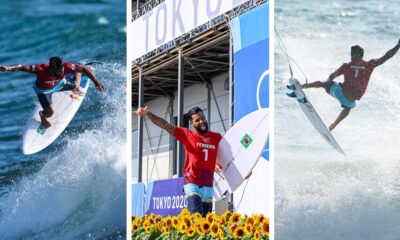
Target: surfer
{"x":201,"y":147}
{"x":50,"y":78}
{"x":356,"y":78}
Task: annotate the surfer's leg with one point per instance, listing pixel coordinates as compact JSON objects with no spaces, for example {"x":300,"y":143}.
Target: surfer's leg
{"x":48,"y":111}
{"x":317,"y":84}
{"x":194,"y":203}
{"x":193,"y":197}
{"x":207,"y":199}
{"x":343,"y":114}
{"x":68,"y":86}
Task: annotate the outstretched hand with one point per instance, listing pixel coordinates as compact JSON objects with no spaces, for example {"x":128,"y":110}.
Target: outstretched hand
{"x":142,"y":111}
{"x":99,"y":86}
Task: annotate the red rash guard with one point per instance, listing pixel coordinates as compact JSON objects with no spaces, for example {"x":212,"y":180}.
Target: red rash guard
{"x":44,"y":79}
{"x":356,"y":77}
{"x":201,"y":155}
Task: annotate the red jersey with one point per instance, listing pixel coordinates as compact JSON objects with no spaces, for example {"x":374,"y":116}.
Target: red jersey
{"x":201,"y":155}
{"x":44,"y":79}
{"x":356,"y":77}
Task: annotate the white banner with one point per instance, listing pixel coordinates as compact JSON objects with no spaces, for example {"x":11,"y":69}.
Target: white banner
{"x":171,"y":19}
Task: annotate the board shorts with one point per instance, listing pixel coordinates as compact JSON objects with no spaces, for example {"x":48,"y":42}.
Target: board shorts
{"x":45,"y":98}
{"x":206,"y":193}
{"x":335,"y":90}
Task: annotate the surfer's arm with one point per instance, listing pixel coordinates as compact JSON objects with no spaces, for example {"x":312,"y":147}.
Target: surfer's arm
{"x":335,"y":74}
{"x":156,"y":120}
{"x":16,"y":67}
{"x":88,"y":71}
{"x":388,"y":55}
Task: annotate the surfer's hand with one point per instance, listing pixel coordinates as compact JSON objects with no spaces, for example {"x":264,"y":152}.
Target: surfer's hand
{"x":218,"y":168}
{"x":142,"y":111}
{"x":99,"y":86}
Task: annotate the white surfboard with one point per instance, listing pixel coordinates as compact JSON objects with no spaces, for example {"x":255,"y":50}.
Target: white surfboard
{"x":313,"y":116}
{"x":36,"y":137}
{"x":239,"y":151}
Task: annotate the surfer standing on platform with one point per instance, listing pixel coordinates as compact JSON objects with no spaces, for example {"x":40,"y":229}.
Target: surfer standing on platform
{"x":356,"y":78}
{"x":201,"y":146}
{"x":50,"y":78}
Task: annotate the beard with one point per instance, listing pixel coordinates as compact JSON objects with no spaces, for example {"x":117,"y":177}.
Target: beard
{"x":202,"y":129}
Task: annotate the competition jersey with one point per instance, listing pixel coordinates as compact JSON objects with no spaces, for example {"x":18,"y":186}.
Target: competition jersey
{"x":201,"y":155}
{"x":44,"y":79}
{"x":356,"y":77}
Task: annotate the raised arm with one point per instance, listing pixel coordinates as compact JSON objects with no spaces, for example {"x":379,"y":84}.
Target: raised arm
{"x":389,"y":54}
{"x":15,"y":67}
{"x":156,"y":120}
{"x":88,"y":71}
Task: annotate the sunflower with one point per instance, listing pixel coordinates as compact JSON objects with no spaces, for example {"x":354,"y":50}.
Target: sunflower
{"x":239,"y":232}
{"x":214,"y":229}
{"x":199,"y":228}
{"x":232,"y":228}
{"x":197,"y":215}
{"x":222,"y":220}
{"x":183,"y":227}
{"x":257,"y":235}
{"x":190,"y":231}
{"x":265,"y":227}
{"x":210,"y":217}
{"x":135,"y":226}
{"x":221,"y":235}
{"x":185,"y":211}
{"x":168,"y":221}
{"x":187,"y":221}
{"x":205,"y":226}
{"x":235,"y":218}
{"x":175,"y":222}
{"x":250,"y":220}
{"x":147,"y":229}
{"x":248,"y":229}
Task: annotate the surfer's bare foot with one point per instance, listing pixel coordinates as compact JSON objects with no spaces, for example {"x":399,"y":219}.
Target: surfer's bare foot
{"x":44,"y":121}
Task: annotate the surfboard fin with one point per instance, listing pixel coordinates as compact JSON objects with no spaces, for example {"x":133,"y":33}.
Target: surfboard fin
{"x":292,"y":94}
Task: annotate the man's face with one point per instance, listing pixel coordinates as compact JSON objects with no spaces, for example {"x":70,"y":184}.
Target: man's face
{"x":57,"y":72}
{"x":199,"y":122}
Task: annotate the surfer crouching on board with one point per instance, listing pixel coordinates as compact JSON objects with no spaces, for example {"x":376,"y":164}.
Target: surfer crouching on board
{"x":201,"y":146}
{"x":50,"y":78}
{"x":356,"y":77}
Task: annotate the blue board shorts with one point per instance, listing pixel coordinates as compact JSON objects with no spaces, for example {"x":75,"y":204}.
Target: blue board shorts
{"x":206,"y":193}
{"x":336,"y":91}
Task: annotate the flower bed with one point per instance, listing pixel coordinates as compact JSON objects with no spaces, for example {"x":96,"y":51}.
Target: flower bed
{"x":193,"y":226}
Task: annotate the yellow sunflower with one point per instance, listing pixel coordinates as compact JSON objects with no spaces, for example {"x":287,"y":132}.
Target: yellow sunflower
{"x":187,"y":221}
{"x":235,"y":218}
{"x":265,"y":227}
{"x":197,"y":215}
{"x":205,"y":226}
{"x":190,"y":231}
{"x":210,"y":217}
{"x":214,"y":229}
{"x":185,"y":211}
{"x":250,"y":220}
{"x":239,"y":232}
{"x":147,"y":229}
{"x":221,"y":235}
{"x":232,"y":228}
{"x":248,"y":229}
{"x":175,"y":222}
{"x":183,"y":227}
{"x":257,"y":235}
{"x":199,"y":228}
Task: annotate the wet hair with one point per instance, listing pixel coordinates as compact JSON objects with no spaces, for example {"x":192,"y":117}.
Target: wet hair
{"x":56,"y":63}
{"x":357,"y":51}
{"x":193,"y":111}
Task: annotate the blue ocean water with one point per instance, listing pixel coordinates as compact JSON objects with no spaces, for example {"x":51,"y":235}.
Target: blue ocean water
{"x":321,"y":194}
{"x":74,"y":189}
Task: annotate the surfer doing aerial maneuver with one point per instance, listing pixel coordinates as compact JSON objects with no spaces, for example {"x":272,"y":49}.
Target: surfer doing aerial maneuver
{"x":356,"y":78}
{"x":201,"y":147}
{"x":50,"y":78}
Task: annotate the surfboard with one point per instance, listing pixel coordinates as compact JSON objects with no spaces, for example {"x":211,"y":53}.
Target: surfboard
{"x":36,"y":137}
{"x":313,"y":116}
{"x":239,"y":150}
